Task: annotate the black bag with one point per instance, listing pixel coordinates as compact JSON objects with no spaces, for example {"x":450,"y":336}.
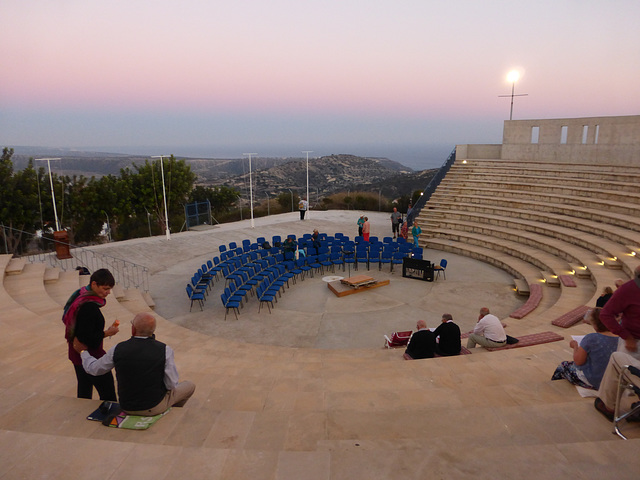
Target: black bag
{"x":511,"y":340}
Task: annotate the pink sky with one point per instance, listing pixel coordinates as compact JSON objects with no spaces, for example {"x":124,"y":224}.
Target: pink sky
{"x":379,"y":66}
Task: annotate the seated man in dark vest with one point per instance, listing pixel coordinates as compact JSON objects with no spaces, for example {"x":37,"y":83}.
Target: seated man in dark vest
{"x":447,"y":337}
{"x":422,"y":343}
{"x":146,"y":372}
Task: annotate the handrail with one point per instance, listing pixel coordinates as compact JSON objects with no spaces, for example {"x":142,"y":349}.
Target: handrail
{"x":126,"y":273}
{"x":433,"y":184}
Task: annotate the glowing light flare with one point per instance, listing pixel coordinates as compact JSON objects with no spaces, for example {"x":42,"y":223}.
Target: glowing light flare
{"x":513,"y":76}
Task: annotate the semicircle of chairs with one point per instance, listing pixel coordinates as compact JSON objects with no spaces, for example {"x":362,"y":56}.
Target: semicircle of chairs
{"x":264,"y":270}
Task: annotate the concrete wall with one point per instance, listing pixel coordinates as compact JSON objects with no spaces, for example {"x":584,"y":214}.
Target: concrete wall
{"x":613,"y":140}
{"x":478,"y":151}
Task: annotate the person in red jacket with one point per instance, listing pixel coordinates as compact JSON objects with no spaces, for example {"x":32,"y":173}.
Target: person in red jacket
{"x":625,"y":303}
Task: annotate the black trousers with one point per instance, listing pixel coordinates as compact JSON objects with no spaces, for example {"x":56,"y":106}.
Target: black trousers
{"x":302,"y":212}
{"x":104,"y":385}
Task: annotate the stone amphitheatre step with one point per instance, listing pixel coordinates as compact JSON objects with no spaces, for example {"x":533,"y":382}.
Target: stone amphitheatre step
{"x":614,"y":227}
{"x":67,"y":283}
{"x":568,"y":251}
{"x":543,"y":238}
{"x":27,"y":288}
{"x":567,"y":299}
{"x":51,"y":275}
{"x":572,"y":168}
{"x":479,"y":235}
{"x":580,"y":271}
{"x":558,"y":201}
{"x":134,"y":301}
{"x":610,"y":262}
{"x":546,"y":170}
{"x":266,"y":412}
{"x":15,"y":266}
{"x":501,"y":188}
{"x":530,"y":178}
{"x":550,"y":279}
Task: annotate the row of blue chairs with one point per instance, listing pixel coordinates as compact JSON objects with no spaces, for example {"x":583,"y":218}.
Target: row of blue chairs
{"x":305,"y":241}
{"x":324,"y":254}
{"x":267,"y":277}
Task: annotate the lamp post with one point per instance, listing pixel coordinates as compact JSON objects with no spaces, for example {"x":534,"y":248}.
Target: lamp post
{"x":164,"y":195}
{"x":308,"y":199}
{"x":291,"y":198}
{"x":250,"y":187}
{"x":148,"y":220}
{"x":108,"y":226}
{"x":512,"y":77}
{"x":53,"y":193}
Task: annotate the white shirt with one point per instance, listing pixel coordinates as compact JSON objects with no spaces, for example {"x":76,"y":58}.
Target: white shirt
{"x":491,"y":328}
{"x":100,"y":366}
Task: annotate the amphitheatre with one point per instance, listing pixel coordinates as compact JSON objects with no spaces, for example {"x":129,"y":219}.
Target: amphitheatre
{"x":308,"y":391}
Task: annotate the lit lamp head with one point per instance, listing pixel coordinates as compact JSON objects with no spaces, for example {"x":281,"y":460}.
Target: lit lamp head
{"x":513,"y":76}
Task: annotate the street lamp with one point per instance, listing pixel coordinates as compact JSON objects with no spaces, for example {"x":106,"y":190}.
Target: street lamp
{"x":291,"y":198}
{"x":308,"y":199}
{"x":53,"y":193}
{"x":108,"y":226}
{"x":164,"y":195}
{"x":250,"y":187}
{"x":148,"y":220}
{"x":512,"y":77}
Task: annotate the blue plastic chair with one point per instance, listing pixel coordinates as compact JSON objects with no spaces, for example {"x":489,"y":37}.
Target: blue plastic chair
{"x":441,"y":268}
{"x":195,"y":297}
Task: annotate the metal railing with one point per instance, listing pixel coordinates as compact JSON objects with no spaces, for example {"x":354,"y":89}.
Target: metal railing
{"x":126,"y":273}
{"x":433,"y":184}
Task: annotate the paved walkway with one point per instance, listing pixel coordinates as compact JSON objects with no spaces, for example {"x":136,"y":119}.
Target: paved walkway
{"x":309,"y":314}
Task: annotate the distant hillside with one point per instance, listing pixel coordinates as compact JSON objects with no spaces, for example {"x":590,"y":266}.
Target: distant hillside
{"x":333,"y":174}
{"x":327,"y":175}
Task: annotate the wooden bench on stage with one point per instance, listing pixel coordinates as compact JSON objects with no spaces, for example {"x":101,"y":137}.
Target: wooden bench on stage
{"x":357,"y":284}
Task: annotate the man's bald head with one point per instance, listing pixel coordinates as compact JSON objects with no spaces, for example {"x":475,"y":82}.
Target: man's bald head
{"x":144,"y":324}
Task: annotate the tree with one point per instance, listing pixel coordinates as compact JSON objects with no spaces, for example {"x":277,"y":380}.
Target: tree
{"x":287,"y":199}
{"x":147,"y":188}
{"x":18,"y":202}
{"x":221,"y":198}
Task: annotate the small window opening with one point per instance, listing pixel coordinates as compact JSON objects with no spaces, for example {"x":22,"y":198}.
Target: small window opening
{"x":535,"y":134}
